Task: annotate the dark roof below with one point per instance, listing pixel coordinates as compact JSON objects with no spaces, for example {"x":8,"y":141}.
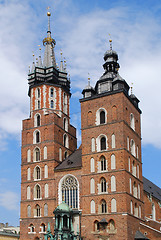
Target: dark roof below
{"x":73,"y":161}
{"x":140,"y":236}
{"x":151,"y":188}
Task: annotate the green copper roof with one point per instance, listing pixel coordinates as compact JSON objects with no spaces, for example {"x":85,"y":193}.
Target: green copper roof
{"x":63,"y":207}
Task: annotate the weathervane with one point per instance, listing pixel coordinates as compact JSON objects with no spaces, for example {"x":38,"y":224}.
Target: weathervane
{"x":110,"y":41}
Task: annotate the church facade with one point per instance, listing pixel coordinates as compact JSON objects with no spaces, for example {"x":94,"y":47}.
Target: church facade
{"x":102,"y":180}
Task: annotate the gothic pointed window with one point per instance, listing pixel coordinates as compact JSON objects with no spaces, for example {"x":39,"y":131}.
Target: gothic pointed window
{"x":103,"y":164}
{"x":69,"y":188}
{"x":52,"y":104}
{"x":103,"y":206}
{"x":51,"y":92}
{"x":32,"y":228}
{"x":37,"y":192}
{"x":113,"y":205}
{"x":37,"y":211}
{"x":29,"y":211}
{"x":42,"y":227}
{"x":65,"y":141}
{"x":102,"y":117}
{"x":103,"y":143}
{"x":36,"y":154}
{"x":37,"y":173}
{"x":132,"y":121}
{"x":132,"y":146}
{"x":103,"y":185}
{"x":36,"y":136}
{"x":38,"y":120}
{"x":45,"y":210}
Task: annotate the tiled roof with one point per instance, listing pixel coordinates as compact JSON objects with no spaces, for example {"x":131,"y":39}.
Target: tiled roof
{"x":73,"y":161}
{"x":140,"y":236}
{"x":151,"y":188}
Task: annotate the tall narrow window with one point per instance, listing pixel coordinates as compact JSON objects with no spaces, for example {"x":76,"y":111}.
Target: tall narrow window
{"x":36,"y":154}
{"x":60,"y":154}
{"x":29,"y":211}
{"x":113,"y":205}
{"x":129,"y":164}
{"x":103,"y":206}
{"x":93,"y":145}
{"x":93,"y":206}
{"x":130,"y":185}
{"x":28,"y":193}
{"x":92,"y":185}
{"x":132,"y":146}
{"x":38,"y":120}
{"x":92,"y":165}
{"x":153,"y":212}
{"x":132,"y":121}
{"x":103,"y":143}
{"x":46,"y":171}
{"x":65,"y":154}
{"x":102,"y":117}
{"x":36,"y":137}
{"x":38,"y":104}
{"x":103,"y":185}
{"x":128,"y":148}
{"x":28,"y":174}
{"x":131,"y":207}
{"x":37,"y":173}
{"x":65,"y":140}
{"x":42,"y":227}
{"x":52,"y":104}
{"x":65,"y":124}
{"x":139,"y":211}
{"x":113,"y":184}
{"x":46,"y":190}
{"x":103,"y":164}
{"x":28,"y":155}
{"x":45,"y":210}
{"x":45,"y":152}
{"x":37,"y":211}
{"x":65,"y":103}
{"x":139,"y":191}
{"x":135,"y":190}
{"x":113,"y":141}
{"x":113,"y":161}
{"x":135,"y":210}
{"x":37,"y":193}
{"x":38,"y":92}
{"x":51,"y":92}
{"x":32,"y":228}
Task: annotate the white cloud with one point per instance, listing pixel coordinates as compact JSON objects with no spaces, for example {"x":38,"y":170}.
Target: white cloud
{"x":9,"y":200}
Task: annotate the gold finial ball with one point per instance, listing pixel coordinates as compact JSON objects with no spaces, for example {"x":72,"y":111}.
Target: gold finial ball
{"x":48,"y":14}
{"x":110,"y":40}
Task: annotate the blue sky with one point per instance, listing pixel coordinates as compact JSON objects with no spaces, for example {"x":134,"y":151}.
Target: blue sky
{"x":81,"y":30}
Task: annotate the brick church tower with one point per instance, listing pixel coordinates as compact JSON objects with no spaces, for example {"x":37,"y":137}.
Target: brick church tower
{"x":99,"y":185}
{"x":47,"y":138}
{"x":111,"y":156}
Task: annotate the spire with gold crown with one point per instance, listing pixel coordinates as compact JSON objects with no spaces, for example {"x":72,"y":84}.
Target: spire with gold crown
{"x":49,"y":43}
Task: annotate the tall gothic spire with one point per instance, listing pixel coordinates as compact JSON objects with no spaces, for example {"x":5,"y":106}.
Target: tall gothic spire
{"x":49,"y":43}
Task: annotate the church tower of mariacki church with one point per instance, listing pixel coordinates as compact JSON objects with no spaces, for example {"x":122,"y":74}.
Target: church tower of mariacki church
{"x":96,"y":191}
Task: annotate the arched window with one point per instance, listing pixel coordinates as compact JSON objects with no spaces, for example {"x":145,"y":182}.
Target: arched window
{"x":139,"y":211}
{"x":113,"y":205}
{"x":28,"y":211}
{"x":46,"y":171}
{"x":134,"y":169}
{"x":92,"y":186}
{"x":45,"y":152}
{"x":103,"y":143}
{"x":42,"y":228}
{"x":65,"y":141}
{"x":37,"y":173}
{"x":28,"y":155}
{"x":92,"y":165}
{"x":28,"y":192}
{"x":102,"y":117}
{"x":65,"y":103}
{"x":131,"y":207}
{"x":113,"y":140}
{"x":37,"y":211}
{"x":113,"y":161}
{"x":69,"y":188}
{"x":93,"y":206}
{"x":138,"y":171}
{"x":153,"y":212}
{"x":137,"y":152}
{"x":36,"y":155}
{"x":96,"y":226}
{"x":112,"y":225}
{"x":113,"y":184}
{"x":128,"y":144}
{"x":45,"y":210}
{"x":46,"y":190}
{"x":65,"y":124}
{"x":103,"y":185}
{"x":60,"y":154}
{"x":93,"y":145}
{"x":37,"y":192}
{"x":36,"y":137}
{"x":31,"y":227}
{"x":28,"y":174}
{"x":135,"y":190}
{"x":37,"y":120}
{"x":135,"y":210}
{"x":132,"y":146}
{"x":103,"y":206}
{"x":130,"y":185}
{"x":129,"y":164}
{"x":103,"y":163}
{"x":132,"y":121}
{"x":38,"y":92}
{"x":139,"y":191}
